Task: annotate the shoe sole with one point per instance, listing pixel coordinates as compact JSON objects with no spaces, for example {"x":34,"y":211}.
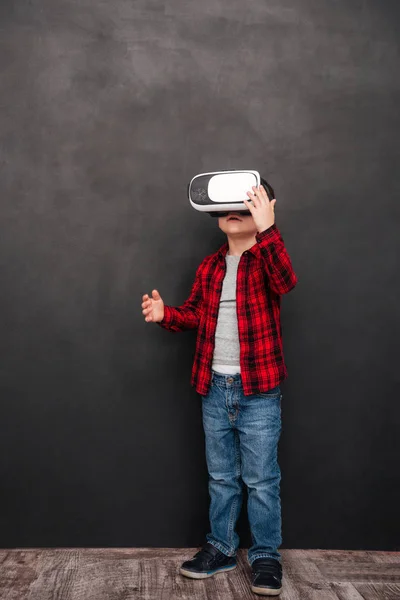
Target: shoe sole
{"x":200,"y":575}
{"x":266,"y":591}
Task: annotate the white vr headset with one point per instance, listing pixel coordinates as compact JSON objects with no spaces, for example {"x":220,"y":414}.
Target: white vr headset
{"x":219,"y":192}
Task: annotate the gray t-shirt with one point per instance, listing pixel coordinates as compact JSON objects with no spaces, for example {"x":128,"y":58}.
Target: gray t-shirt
{"x":226,"y":357}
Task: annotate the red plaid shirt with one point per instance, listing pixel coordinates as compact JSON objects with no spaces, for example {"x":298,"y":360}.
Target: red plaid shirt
{"x":264,"y":274}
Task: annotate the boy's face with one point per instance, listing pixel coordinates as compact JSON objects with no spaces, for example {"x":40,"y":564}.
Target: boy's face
{"x":237,"y":224}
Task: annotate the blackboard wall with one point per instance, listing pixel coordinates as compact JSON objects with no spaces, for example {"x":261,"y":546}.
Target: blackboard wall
{"x":107,"y":110}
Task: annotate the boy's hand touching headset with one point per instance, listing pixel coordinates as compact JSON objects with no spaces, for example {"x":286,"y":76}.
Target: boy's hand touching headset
{"x":262,"y":208}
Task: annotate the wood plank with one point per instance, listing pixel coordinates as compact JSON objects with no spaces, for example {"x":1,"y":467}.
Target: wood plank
{"x":153,"y":574}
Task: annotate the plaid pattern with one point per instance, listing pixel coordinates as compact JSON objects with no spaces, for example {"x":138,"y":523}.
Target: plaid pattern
{"x":264,"y":274}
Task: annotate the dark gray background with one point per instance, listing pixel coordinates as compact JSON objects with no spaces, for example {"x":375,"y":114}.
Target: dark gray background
{"x":108,"y":109}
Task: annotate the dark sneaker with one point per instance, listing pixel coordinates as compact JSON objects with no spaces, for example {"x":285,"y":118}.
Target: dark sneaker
{"x":266,"y":576}
{"x":208,"y":561}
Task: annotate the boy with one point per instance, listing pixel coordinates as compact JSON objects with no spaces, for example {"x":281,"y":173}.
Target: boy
{"x":238,"y":366}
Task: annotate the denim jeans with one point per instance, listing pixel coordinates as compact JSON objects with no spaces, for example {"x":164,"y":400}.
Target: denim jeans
{"x":241,"y":440}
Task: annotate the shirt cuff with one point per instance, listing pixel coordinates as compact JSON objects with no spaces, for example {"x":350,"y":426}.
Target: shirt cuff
{"x":269,"y":235}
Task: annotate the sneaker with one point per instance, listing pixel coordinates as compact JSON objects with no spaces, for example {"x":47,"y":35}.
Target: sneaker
{"x":208,"y":561}
{"x":266,"y":576}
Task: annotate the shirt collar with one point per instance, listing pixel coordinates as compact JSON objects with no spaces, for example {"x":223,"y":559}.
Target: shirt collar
{"x":222,"y":251}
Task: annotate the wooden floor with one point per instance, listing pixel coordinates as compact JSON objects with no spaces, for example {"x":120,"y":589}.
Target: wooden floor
{"x":153,"y":573}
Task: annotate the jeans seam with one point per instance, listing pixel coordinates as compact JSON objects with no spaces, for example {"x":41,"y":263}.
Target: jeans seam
{"x":220,"y":547}
{"x":235,"y":501}
{"x":230,"y":524}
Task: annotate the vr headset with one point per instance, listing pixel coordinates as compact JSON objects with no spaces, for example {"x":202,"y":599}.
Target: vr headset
{"x":219,"y":192}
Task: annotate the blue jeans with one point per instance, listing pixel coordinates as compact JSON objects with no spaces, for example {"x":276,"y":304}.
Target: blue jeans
{"x":241,"y":439}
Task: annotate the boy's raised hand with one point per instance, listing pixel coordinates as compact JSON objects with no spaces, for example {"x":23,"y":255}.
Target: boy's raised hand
{"x":262,"y":209}
{"x":153,"y":308}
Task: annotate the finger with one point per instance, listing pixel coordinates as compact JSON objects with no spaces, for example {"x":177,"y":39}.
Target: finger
{"x":145,"y":296}
{"x":261,"y":195}
{"x":256,"y":196}
{"x":249,"y":205}
{"x":156,"y":295}
{"x":253,"y":197}
{"x":264,"y":194}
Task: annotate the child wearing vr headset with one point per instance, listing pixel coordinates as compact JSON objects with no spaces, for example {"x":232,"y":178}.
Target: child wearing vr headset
{"x":238,"y":367}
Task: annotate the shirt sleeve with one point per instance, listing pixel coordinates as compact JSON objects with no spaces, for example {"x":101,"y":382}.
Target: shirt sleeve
{"x":278,"y":266}
{"x":187,"y":316}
